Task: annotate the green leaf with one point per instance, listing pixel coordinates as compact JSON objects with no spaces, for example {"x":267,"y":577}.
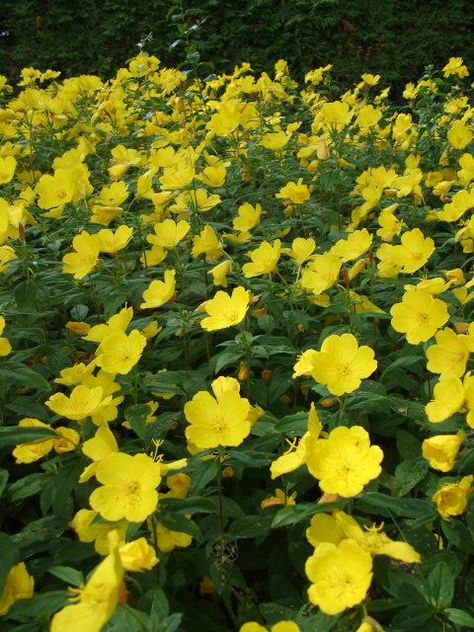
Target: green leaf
{"x":250,"y":527}
{"x":293,"y":514}
{"x":67,"y":574}
{"x":16,"y":435}
{"x":388,"y":505}
{"x":440,"y":585}
{"x":40,"y":606}
{"x":460,"y":617}
{"x":18,"y":373}
{"x":137,"y":415}
{"x":3,"y":480}
{"x":409,"y":473}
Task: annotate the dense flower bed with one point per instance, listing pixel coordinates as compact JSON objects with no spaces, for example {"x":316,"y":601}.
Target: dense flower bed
{"x":236,"y":337}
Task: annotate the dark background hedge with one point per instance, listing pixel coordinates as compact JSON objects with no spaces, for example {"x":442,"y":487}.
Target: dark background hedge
{"x":397,"y":38}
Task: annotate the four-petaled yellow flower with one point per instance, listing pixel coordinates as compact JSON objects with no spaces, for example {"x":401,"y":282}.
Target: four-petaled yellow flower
{"x":83,"y":261}
{"x":344,"y":462}
{"x":224,"y":310}
{"x":341,"y":364}
{"x":222,"y":420}
{"x":159,"y":292}
{"x":128,"y":487}
{"x":119,"y":353}
{"x":82,"y":403}
{"x":419,"y":315}
{"x":340,"y":575}
{"x":264,"y":259}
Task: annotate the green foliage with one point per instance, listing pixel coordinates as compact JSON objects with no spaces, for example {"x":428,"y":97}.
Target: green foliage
{"x":396,"y":38}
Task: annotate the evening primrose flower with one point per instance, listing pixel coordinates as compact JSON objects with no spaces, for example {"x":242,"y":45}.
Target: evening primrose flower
{"x":341,"y":364}
{"x":168,"y":234}
{"x":451,"y":499}
{"x":82,"y":402}
{"x":296,"y":192}
{"x":5,"y":346}
{"x":128,"y":487}
{"x":89,"y":529}
{"x":414,"y":251}
{"x":264,"y":259}
{"x":340,"y":526}
{"x":248,"y":217}
{"x":66,"y":440}
{"x":119,"y":353}
{"x":207,"y":243}
{"x":301,"y":250}
{"x":456,"y":68}
{"x":19,"y":585}
{"x":321,"y":273}
{"x":97,"y":448}
{"x":340,"y":576}
{"x":138,"y":556}
{"x":83,"y":261}
{"x":356,"y":244}
{"x":344,"y":462}
{"x":449,"y":355}
{"x":459,"y":136}
{"x":448,"y":398}
{"x":94,"y":603}
{"x":159,"y":292}
{"x":220,"y":421}
{"x":117,"y":322}
{"x":441,"y":451}
{"x":419,"y":315}
{"x":219,"y":273}
{"x":226,"y":310}
{"x":168,"y":540}
{"x":111,"y":242}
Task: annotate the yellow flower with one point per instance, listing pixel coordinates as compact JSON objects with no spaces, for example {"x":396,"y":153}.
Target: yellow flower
{"x":451,"y":499}
{"x":220,"y":421}
{"x":128,"y":487}
{"x":138,"y":556}
{"x":219,"y":273}
{"x":117,"y":322}
{"x":449,"y":355}
{"x":415,"y":250}
{"x":7,"y":169}
{"x":419,"y":315}
{"x":66,"y":440}
{"x":19,"y":585}
{"x":441,"y":450}
{"x":224,"y":310}
{"x":296,"y":192}
{"x":448,"y":399}
{"x":168,"y":540}
{"x":459,"y":136}
{"x":353,"y":247}
{"x":7,"y":254}
{"x":119,"y":353}
{"x":101,"y":445}
{"x":83,"y":261}
{"x":95,"y":602}
{"x":89,"y":529}
{"x":455,"y":67}
{"x":280,"y":498}
{"x":368,"y":116}
{"x":466,"y":173}
{"x":341,"y":364}
{"x":275,"y":140}
{"x":159,"y":292}
{"x":264,"y":259}
{"x":295,"y":458}
{"x":56,"y":190}
{"x":111,"y":242}
{"x":321,"y":273}
{"x":169,"y":233}
{"x":340,"y":526}
{"x":5,"y":346}
{"x":340,"y":576}
{"x":344,"y":462}
{"x":207,"y":243}
{"x":248,"y":217}
{"x":82,"y":403}
{"x":301,"y":250}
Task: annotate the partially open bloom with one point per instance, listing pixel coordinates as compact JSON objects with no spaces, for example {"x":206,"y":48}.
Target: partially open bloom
{"x":94,"y":603}
{"x":441,"y":450}
{"x":264,"y":259}
{"x":19,"y":585}
{"x":159,"y":292}
{"x":451,"y":499}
